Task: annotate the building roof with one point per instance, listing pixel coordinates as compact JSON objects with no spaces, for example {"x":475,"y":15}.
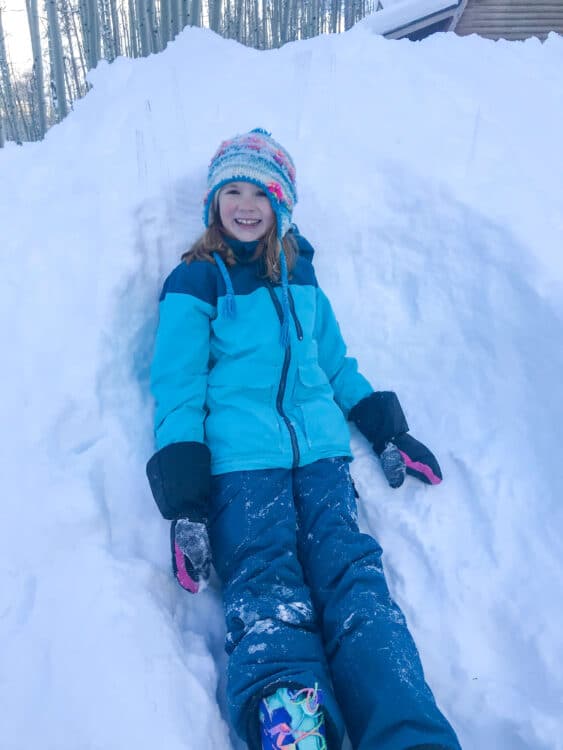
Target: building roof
{"x":494,"y":19}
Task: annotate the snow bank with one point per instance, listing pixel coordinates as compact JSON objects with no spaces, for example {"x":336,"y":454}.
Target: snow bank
{"x":430,"y":183}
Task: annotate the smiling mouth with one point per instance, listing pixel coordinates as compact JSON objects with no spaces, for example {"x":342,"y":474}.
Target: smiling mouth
{"x":247,"y":222}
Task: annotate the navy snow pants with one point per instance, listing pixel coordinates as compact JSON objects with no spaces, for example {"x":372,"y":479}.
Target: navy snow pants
{"x":307,"y":604}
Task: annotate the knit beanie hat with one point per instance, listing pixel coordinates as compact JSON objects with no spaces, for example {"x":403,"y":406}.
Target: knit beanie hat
{"x":254,"y":157}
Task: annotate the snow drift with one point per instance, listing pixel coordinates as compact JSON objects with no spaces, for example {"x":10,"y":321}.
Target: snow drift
{"x":430,"y":184}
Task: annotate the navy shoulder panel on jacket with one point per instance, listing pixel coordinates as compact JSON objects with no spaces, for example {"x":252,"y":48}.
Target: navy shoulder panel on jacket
{"x":303,"y":273}
{"x":199,"y":279}
{"x":246,"y":278}
{"x":306,"y":250}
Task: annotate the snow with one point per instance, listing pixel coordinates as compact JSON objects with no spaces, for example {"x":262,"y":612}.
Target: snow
{"x":430,"y":183}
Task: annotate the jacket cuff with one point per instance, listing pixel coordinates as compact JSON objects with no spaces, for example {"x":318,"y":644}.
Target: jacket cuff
{"x":379,"y":417}
{"x":180,"y":479}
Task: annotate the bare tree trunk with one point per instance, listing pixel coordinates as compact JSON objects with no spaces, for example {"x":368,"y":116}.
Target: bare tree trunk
{"x":115,"y":28}
{"x":137,"y":27}
{"x":215,"y":13}
{"x":334,"y":16}
{"x":265,"y":24}
{"x":256,"y":25}
{"x":239,"y":19}
{"x":57,"y":63}
{"x":174,"y":18}
{"x":285,"y":21}
{"x":81,"y":51}
{"x":23,"y":119}
{"x":316,"y":19}
{"x":7,"y":89}
{"x":36,"y":135}
{"x":71,"y":43}
{"x":195,"y":16}
{"x":304,"y":19}
{"x":90,"y":23}
{"x":276,"y":22}
{"x":142,"y":25}
{"x":30,"y":105}
{"x":165,"y":26}
{"x":124,"y":36}
{"x":232,"y":19}
{"x":245,"y":21}
{"x":350,"y":15}
{"x":184,"y":13}
{"x":68,"y":84}
{"x":133,"y":29}
{"x":38,"y":77}
{"x":108,"y":51}
{"x":154,"y":37}
{"x":327,"y":27}
{"x":93,"y":32}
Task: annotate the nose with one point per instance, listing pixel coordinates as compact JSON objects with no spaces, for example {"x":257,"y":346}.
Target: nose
{"x":247,"y":201}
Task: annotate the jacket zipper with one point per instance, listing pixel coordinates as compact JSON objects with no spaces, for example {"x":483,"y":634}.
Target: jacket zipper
{"x":283,"y":383}
{"x":294,"y":315}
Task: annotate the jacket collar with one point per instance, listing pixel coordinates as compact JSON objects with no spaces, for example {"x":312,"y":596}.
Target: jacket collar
{"x":244,"y":251}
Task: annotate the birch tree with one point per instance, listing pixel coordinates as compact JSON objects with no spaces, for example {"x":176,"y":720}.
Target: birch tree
{"x":183,"y":14}
{"x":8,"y":100}
{"x":90,"y":23}
{"x":153,"y":26}
{"x":133,"y":29}
{"x":74,"y":58}
{"x":195,"y":13}
{"x":21,"y":102}
{"x":38,"y":82}
{"x":106,"y":31}
{"x":142,"y":26}
{"x":215,"y":13}
{"x":57,"y":63}
{"x":165,"y":23}
{"x":115,"y":28}
{"x":80,"y":32}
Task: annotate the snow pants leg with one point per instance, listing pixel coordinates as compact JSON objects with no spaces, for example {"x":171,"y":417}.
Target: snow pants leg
{"x":306,"y":603}
{"x":273,"y":636}
{"x":375,"y":667}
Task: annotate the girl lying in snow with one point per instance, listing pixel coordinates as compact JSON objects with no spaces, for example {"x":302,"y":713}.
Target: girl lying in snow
{"x":253,"y":389}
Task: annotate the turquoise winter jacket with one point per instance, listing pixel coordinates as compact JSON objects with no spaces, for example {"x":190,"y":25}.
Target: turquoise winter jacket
{"x":226,"y":380}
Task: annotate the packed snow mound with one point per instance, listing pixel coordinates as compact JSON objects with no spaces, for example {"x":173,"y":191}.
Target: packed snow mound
{"x":430,"y":184}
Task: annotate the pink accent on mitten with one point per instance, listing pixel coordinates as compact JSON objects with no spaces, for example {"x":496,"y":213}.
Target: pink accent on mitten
{"x":184,"y":578}
{"x":421,"y":468}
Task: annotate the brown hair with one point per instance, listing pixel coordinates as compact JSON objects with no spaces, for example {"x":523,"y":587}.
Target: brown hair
{"x":213,"y":241}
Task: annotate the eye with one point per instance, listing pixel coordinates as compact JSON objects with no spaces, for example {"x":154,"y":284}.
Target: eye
{"x":261,"y":194}
{"x":231,"y":191}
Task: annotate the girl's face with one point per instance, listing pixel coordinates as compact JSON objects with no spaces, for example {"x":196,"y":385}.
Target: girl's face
{"x":245,"y":210}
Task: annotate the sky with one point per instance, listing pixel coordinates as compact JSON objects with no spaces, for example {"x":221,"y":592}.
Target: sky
{"x":429,"y":184}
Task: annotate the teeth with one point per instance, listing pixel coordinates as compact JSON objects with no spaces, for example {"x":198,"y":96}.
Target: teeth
{"x":247,"y":221}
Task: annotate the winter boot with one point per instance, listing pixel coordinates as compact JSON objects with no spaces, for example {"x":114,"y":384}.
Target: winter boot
{"x":293,"y":720}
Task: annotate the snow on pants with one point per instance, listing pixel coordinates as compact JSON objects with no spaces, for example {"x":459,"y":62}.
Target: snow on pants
{"x":306,"y":603}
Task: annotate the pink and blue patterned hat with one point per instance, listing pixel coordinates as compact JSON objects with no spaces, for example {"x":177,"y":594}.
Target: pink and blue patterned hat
{"x":254,"y":157}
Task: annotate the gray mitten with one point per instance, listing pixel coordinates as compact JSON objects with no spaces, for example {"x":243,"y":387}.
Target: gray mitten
{"x":191,"y":554}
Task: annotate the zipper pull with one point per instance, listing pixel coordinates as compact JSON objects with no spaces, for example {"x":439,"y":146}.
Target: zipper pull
{"x":298,"y":327}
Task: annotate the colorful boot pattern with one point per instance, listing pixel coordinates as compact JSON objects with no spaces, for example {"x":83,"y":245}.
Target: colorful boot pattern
{"x":293,"y":720}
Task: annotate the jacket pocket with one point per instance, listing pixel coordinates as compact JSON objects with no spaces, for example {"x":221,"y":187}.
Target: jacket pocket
{"x":320,"y":417}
